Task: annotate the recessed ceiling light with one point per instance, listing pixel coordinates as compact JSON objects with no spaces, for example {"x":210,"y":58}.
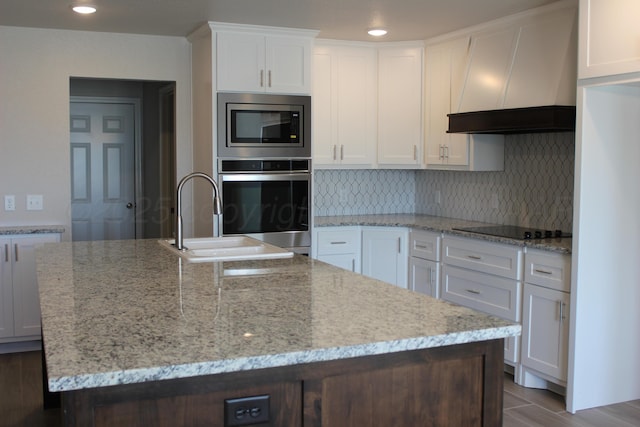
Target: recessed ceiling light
{"x":377,"y":32}
{"x":84,"y":9}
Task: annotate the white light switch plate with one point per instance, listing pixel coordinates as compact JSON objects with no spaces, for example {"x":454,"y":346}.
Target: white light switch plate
{"x":34,"y":202}
{"x":10,"y":203}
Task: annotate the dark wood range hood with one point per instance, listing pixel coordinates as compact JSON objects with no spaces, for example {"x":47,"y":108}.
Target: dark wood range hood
{"x":552,"y":118}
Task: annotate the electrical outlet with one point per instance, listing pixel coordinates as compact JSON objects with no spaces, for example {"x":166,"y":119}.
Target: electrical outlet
{"x":10,"y":202}
{"x":246,"y":411}
{"x":34,"y":202}
{"x":495,"y":203}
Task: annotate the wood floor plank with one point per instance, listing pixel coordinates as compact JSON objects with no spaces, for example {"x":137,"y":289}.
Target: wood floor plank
{"x":536,"y":416}
{"x":596,"y":417}
{"x":547,"y":399}
{"x":510,"y":400}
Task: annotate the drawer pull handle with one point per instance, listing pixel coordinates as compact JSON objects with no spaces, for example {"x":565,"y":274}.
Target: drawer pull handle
{"x":338,"y":243}
{"x":6,"y":252}
{"x":421,"y":246}
{"x":543,"y":271}
{"x":473,"y":291}
{"x":476,"y":257}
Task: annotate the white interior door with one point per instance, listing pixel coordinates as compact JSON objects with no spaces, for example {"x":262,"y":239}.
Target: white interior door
{"x":102,"y":170}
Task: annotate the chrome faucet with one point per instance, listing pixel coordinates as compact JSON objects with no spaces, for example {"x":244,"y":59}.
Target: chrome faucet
{"x":217,"y":209}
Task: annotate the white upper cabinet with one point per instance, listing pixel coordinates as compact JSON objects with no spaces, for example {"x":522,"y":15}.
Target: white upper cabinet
{"x":443,"y":76}
{"x":609,"y":38}
{"x":257,"y":59}
{"x":444,"y":71}
{"x":400,"y":96}
{"x":523,"y":61}
{"x":344,"y":105}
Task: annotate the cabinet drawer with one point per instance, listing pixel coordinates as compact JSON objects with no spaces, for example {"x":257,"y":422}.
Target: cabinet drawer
{"x":548,"y":269}
{"x":477,"y":255}
{"x":490,"y":294}
{"x":425,"y":245}
{"x":340,"y":241}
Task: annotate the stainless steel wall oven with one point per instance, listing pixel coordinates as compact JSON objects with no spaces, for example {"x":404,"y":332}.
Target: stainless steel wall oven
{"x":268,"y":199}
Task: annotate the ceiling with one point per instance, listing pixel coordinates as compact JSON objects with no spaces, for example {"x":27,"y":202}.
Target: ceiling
{"x":335,"y":19}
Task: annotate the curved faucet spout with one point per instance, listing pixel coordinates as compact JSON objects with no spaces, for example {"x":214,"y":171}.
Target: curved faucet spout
{"x":217,"y":209}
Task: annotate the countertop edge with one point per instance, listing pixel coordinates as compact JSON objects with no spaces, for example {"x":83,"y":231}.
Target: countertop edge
{"x":31,"y":229}
{"x":69,"y":383}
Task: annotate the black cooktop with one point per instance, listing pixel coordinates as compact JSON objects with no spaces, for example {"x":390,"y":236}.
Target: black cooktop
{"x":515,"y":232}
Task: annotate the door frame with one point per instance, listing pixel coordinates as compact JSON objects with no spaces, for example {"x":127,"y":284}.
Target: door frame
{"x":137,"y":147}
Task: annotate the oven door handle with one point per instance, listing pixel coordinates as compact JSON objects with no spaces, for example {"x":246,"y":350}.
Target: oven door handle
{"x":243,"y":177}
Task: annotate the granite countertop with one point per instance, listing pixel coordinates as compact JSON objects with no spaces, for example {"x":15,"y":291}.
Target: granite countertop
{"x":31,"y":229}
{"x":441,"y":225}
{"x":119,"y":312}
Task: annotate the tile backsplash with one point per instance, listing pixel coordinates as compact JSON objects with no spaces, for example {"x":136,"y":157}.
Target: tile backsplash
{"x":535,"y":189}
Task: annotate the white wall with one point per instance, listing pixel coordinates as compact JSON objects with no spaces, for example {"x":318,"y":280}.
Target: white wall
{"x":35,"y":67}
{"x":604,"y":358}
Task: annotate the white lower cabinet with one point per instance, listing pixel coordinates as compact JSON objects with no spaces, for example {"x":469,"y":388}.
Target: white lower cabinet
{"x":490,"y":294}
{"x":424,"y":262}
{"x":424,"y":276}
{"x":545,"y":322}
{"x":339,"y":246}
{"x":545,"y":331}
{"x":487,"y":277}
{"x":19,"y":300}
{"x":384,"y":254}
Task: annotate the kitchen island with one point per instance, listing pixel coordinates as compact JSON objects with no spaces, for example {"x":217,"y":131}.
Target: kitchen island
{"x":134,"y":335}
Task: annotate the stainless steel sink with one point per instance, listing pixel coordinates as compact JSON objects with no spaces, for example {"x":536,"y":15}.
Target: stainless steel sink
{"x":232,"y":248}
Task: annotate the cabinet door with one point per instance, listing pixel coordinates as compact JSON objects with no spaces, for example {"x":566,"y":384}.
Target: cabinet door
{"x":609,"y":34}
{"x":324,"y":146}
{"x":240,"y":62}
{"x":400,"y":95}
{"x":445,"y":64}
{"x":355,"y":112}
{"x":288,"y":65}
{"x":344,"y":95}
{"x":6,"y":289}
{"x":545,"y":330}
{"x":26,"y":301}
{"x":424,"y":276}
{"x":384,"y":255}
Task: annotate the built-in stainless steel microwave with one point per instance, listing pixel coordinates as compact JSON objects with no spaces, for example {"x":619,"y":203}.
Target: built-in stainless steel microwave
{"x":264,"y":126}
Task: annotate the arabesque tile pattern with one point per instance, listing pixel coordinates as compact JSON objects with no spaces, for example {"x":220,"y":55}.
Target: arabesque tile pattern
{"x":535,"y":189}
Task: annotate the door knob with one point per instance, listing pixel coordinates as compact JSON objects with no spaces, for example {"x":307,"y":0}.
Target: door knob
{"x":129,"y":205}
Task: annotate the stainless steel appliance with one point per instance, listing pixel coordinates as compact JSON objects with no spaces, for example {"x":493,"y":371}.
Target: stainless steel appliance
{"x":268,"y":199}
{"x":515,"y":232}
{"x":264,"y":126}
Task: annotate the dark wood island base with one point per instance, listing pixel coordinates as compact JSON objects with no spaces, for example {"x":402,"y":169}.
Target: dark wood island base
{"x":459,"y":385}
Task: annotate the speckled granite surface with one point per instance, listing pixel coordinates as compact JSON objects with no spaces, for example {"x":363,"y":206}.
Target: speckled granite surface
{"x":439,"y":224}
{"x":122,"y":312}
{"x":31,"y":229}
